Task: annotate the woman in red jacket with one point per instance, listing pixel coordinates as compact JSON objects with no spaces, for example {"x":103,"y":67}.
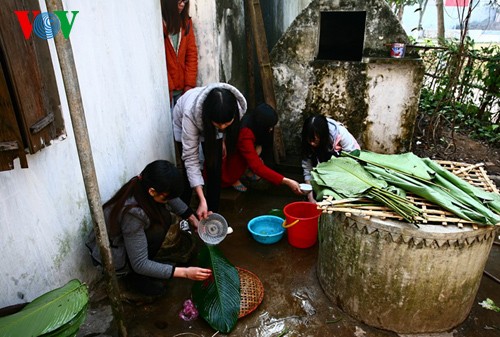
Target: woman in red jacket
{"x":255,"y":139}
{"x":180,"y":47}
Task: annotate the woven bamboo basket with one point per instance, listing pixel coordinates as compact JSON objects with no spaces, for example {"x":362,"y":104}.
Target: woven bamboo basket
{"x":474,"y":174}
{"x":252,"y":292}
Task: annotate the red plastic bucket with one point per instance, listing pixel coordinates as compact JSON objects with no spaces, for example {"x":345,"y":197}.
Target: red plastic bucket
{"x":301,"y":223}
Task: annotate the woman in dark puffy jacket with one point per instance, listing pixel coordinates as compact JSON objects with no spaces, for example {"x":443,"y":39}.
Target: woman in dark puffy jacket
{"x":138,"y":221}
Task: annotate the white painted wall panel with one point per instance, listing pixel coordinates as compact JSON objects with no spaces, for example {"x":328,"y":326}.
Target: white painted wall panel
{"x":44,"y":216}
{"x":390,"y":93}
{"x":203,"y":13}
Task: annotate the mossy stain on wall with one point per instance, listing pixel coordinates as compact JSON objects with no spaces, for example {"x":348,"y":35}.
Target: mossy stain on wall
{"x":339,"y":91}
{"x":64,"y":243}
{"x":232,"y":51}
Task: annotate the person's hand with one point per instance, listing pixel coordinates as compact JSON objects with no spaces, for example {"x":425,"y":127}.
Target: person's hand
{"x":258,"y":149}
{"x":293,"y":185}
{"x":193,"y":273}
{"x":202,"y":210}
{"x":224,"y":150}
{"x":193,"y":220}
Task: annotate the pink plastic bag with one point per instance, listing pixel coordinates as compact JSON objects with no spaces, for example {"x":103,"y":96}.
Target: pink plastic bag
{"x":189,"y":311}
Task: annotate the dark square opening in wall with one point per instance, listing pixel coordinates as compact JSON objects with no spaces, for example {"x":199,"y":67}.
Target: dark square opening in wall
{"x":341,"y":36}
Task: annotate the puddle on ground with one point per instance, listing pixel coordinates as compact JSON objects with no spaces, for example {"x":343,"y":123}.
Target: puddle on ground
{"x":440,"y":334}
{"x":305,"y":301}
{"x":359,"y":332}
{"x":269,"y":326}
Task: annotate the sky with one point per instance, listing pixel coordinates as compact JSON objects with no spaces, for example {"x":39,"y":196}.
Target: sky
{"x":410,"y":17}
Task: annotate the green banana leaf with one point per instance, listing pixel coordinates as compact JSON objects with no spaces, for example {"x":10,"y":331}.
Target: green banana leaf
{"x":491,"y":200}
{"x":59,"y":312}
{"x":71,"y":328}
{"x":432,"y":182}
{"x":407,"y":163}
{"x":466,"y":199}
{"x":431,"y":192}
{"x":218,"y":298}
{"x":321,"y":189}
{"x":345,"y":178}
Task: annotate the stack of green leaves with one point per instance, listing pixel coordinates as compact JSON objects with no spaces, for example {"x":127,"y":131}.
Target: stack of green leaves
{"x":429,"y":180}
{"x":59,"y":312}
{"x":345,"y":178}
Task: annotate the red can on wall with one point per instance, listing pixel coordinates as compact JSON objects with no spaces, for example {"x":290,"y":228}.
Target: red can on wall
{"x":398,"y":50}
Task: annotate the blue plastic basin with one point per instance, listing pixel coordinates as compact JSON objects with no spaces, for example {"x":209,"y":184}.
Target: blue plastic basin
{"x":266,"y":229}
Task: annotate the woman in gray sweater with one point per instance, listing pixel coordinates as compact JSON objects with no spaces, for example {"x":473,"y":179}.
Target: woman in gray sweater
{"x":138,"y":221}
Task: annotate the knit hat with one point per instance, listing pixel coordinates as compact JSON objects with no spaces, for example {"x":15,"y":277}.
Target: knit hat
{"x":266,"y":116}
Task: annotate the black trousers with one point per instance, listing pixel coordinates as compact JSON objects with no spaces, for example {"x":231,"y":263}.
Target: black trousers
{"x":212,"y":177}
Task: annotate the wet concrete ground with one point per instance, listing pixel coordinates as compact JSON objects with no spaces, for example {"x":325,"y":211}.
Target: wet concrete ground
{"x":294,"y":303}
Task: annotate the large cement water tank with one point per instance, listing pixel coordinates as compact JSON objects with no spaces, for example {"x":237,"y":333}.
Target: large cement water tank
{"x":394,"y":276}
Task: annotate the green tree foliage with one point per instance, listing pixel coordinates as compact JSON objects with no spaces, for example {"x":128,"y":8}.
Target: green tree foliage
{"x":401,"y":2}
{"x":462,"y":82}
{"x":461,"y":91}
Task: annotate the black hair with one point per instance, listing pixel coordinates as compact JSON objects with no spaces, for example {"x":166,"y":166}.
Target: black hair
{"x":220,"y":106}
{"x":316,"y":126}
{"x":161,"y":175}
{"x":172,"y":17}
{"x":261,"y":121}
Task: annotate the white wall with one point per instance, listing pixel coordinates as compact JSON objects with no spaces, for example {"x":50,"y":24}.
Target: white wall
{"x":44,"y":214}
{"x":203,"y":13}
{"x":119,"y":55}
{"x":393,"y":94}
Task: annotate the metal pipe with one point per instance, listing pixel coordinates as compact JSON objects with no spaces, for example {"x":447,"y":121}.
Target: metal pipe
{"x":72,"y":89}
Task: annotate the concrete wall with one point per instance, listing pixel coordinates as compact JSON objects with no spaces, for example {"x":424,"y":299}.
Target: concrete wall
{"x":392,"y":97}
{"x":376,"y":97}
{"x":412,"y":273}
{"x":119,"y":56}
{"x":220,"y":36}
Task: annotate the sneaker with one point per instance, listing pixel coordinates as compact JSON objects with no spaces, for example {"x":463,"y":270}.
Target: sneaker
{"x":184,"y":226}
